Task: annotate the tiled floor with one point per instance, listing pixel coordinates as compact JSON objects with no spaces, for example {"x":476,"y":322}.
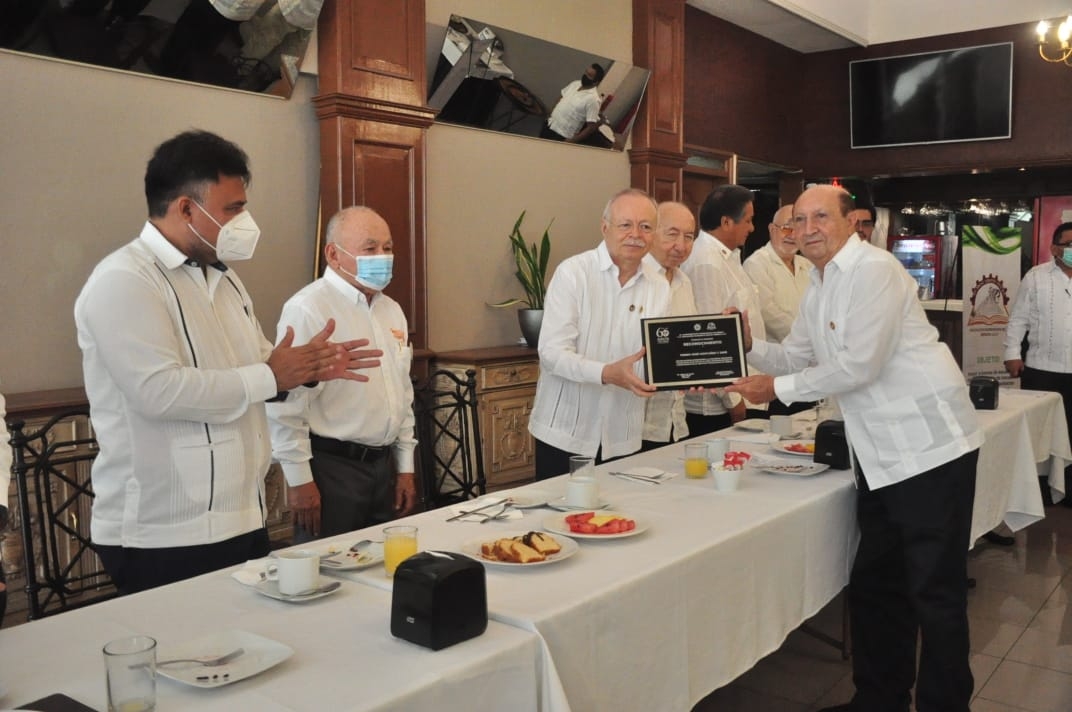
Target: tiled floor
{"x":1021,"y":634}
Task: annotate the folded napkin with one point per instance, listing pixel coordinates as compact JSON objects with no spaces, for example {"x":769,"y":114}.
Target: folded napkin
{"x":252,"y":572}
{"x":751,"y":438}
{"x":488,"y":506}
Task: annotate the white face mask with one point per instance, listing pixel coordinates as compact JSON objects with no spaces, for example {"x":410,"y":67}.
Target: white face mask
{"x":373,"y":271}
{"x":237,"y":238}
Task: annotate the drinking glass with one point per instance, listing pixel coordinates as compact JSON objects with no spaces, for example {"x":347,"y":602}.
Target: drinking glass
{"x":399,"y":543}
{"x":696,"y":463}
{"x":130,"y":670}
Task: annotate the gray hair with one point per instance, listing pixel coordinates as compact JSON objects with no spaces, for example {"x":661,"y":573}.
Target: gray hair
{"x":335,"y":224}
{"x":622,"y":194}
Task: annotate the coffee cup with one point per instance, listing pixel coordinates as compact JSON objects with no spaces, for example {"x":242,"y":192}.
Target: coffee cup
{"x":727,"y":480}
{"x":297,"y":570}
{"x":782,"y":425}
{"x":716,"y":449}
{"x":582,"y":491}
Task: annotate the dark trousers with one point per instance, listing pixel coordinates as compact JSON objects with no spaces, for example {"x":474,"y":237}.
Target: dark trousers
{"x":135,"y":570}
{"x":552,"y":462}
{"x":353,"y":493}
{"x":776,"y":407}
{"x":546,"y":132}
{"x":910,"y":576}
{"x":706,"y":424}
{"x":1032,"y":379}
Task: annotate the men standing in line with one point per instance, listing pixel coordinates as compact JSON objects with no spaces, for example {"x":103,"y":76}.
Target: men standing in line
{"x":862,"y":336}
{"x":664,"y":412}
{"x":335,"y":441}
{"x":177,"y":371}
{"x":781,"y":276}
{"x":589,"y":397}
{"x":718,"y":283}
{"x":575,"y":118}
{"x":1042,"y":311}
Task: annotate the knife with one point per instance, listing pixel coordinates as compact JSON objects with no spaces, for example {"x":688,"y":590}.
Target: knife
{"x":475,"y":511}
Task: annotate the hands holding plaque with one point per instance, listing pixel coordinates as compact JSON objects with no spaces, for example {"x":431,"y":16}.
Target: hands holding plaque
{"x":694,"y":351}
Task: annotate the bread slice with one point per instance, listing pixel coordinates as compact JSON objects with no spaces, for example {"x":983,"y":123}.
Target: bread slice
{"x":546,"y":545}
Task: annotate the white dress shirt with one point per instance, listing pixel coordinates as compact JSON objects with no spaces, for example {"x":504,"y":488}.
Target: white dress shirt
{"x":664,"y":412}
{"x":590,"y":320}
{"x":719,"y":282}
{"x":1042,"y":308}
{"x":779,"y":290}
{"x":863,"y":337}
{"x":577,"y":107}
{"x":376,"y":413}
{"x":175,"y":370}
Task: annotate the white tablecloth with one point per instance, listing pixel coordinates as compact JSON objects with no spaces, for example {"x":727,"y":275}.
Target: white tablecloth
{"x":345,"y":657}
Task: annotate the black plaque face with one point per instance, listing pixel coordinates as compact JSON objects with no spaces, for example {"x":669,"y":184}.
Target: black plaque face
{"x":699,"y":350}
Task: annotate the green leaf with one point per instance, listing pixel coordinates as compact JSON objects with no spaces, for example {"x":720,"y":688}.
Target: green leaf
{"x":531,"y":262}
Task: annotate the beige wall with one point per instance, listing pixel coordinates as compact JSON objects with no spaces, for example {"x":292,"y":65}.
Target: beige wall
{"x":76,"y":139}
{"x":480,"y":181}
{"x":73,"y":150}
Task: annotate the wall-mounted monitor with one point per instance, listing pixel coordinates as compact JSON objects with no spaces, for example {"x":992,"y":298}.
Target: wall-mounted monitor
{"x":960,"y":94}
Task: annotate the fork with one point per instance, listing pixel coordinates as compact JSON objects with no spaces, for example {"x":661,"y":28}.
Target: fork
{"x":206,"y":662}
{"x":651,"y":480}
{"x":498,"y":515}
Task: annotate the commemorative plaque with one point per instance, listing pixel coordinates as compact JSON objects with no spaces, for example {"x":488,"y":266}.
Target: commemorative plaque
{"x":698,"y":350}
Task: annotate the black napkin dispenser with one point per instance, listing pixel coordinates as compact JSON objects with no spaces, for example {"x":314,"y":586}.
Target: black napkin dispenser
{"x":440,"y":598}
{"x":983,"y":392}
{"x":831,"y":445}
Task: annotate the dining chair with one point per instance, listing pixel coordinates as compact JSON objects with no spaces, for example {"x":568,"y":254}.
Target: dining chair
{"x":450,"y":459}
{"x":55,"y":495}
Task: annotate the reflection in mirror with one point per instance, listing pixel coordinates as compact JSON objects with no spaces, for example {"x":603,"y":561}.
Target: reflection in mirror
{"x":498,"y":79}
{"x":254,"y":45}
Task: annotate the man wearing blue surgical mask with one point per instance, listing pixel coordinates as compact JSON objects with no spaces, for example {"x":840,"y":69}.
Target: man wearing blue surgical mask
{"x":177,"y":372}
{"x":1042,"y":310}
{"x":347,"y":450}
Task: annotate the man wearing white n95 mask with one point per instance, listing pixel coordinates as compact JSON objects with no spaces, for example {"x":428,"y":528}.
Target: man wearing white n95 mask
{"x":177,"y":371}
{"x":336,"y":441}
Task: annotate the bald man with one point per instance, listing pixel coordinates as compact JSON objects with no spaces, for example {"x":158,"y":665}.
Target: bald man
{"x":336,"y":443}
{"x":863,"y":338}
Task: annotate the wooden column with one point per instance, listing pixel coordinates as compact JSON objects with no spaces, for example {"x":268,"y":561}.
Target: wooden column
{"x":373,"y":120}
{"x":658,"y":136}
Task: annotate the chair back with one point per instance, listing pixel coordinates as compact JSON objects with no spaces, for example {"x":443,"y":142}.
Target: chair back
{"x":55,"y":497}
{"x":450,"y":460}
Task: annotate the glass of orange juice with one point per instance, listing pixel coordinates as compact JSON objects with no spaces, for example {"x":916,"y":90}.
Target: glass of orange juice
{"x":696,"y":460}
{"x":399,"y":543}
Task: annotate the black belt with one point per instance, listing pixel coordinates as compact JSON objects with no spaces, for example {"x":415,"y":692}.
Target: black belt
{"x":349,"y":450}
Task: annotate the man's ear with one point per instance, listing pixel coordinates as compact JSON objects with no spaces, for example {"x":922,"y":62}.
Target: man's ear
{"x":726,"y":222}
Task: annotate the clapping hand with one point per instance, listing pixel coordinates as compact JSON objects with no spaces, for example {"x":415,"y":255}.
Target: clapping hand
{"x":320,"y":359}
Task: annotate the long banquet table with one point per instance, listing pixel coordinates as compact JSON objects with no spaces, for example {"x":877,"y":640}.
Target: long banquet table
{"x":655,"y":621}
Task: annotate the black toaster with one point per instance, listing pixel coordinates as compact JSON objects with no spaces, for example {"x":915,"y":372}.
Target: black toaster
{"x":983,"y":392}
{"x":831,"y":445}
{"x":440,"y":598}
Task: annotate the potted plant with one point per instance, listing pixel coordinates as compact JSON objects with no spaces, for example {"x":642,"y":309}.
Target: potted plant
{"x":531,"y":261}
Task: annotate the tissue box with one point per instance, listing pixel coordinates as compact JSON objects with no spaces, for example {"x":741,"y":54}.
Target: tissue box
{"x":831,"y":445}
{"x":440,"y":598}
{"x":983,"y":392}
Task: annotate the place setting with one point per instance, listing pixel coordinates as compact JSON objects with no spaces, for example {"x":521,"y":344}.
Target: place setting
{"x":291,"y":576}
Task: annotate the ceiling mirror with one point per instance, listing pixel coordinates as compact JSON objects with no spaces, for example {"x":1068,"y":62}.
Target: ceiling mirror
{"x":252,"y":45}
{"x":493,"y":78}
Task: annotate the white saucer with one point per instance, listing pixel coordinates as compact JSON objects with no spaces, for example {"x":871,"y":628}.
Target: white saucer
{"x":258,"y":654}
{"x":270,"y":588}
{"x":560,"y":505}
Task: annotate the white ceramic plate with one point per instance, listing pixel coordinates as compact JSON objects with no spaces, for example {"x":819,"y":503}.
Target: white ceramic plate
{"x":472,"y":548}
{"x":755,"y":425}
{"x":326,"y":587}
{"x":526,"y":499}
{"x":804,"y":470}
{"x":345,"y":560}
{"x":560,"y":505}
{"x":557,"y":523}
{"x":783,"y":446}
{"x":259,"y":654}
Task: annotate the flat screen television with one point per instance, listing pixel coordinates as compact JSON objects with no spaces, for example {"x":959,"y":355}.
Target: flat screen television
{"x":960,"y":94}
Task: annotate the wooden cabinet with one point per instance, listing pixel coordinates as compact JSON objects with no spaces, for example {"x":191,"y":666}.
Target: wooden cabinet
{"x":506,"y":386}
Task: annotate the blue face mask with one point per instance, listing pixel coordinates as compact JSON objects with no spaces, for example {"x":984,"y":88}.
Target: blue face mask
{"x":373,"y":271}
{"x":1066,"y":256}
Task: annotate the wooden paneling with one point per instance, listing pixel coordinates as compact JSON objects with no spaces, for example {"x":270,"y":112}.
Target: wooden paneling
{"x":656,"y":158}
{"x":372,"y":123}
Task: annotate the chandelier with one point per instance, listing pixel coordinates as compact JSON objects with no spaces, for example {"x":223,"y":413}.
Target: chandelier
{"x":1048,"y":48}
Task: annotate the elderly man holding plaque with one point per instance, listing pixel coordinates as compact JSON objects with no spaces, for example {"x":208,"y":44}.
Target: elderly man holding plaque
{"x":863,"y":337}
{"x":590,"y":398}
{"x":664,"y":412}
